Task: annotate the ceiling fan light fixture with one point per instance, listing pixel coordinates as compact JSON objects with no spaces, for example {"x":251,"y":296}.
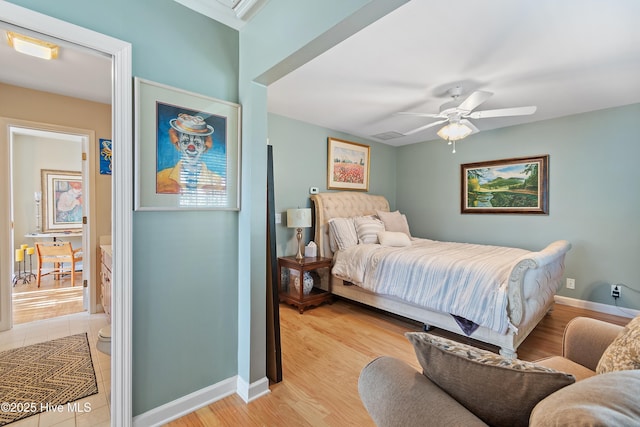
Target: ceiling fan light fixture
{"x":454,"y":131}
{"x":32,"y":46}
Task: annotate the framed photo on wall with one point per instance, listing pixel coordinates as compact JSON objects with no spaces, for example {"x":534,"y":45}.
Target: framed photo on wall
{"x":105,"y":156}
{"x":61,"y":200}
{"x":187,"y":150}
{"x":348,"y":165}
{"x":509,"y":186}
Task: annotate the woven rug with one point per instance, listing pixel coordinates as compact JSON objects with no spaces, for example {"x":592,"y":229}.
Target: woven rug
{"x":42,"y":376}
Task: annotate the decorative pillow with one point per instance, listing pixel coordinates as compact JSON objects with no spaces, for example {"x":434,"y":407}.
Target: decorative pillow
{"x":342,"y":233}
{"x":367,"y":229}
{"x":624,"y":352}
{"x":610,"y":399}
{"x":394,"y":238}
{"x":394,"y":221}
{"x":497,"y":390}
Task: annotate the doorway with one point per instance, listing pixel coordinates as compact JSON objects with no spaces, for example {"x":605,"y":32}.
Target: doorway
{"x":122,"y":130}
{"x":38,"y":157}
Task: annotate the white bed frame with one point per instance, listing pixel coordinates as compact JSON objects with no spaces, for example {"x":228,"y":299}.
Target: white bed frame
{"x":533,"y":281}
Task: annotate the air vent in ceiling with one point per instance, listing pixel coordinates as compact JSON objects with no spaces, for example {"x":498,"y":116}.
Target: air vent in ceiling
{"x":385,"y":136}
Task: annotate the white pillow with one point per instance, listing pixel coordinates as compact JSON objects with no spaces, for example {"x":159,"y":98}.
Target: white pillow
{"x":394,"y":221}
{"x":367,"y":229}
{"x":394,"y":238}
{"x":342,"y":233}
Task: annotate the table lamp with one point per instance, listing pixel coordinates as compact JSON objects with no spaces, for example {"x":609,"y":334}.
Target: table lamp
{"x":299,"y":219}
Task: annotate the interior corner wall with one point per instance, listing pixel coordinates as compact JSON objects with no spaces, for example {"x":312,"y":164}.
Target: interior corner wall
{"x":300,"y":162}
{"x":283,"y":36}
{"x":593,"y":199}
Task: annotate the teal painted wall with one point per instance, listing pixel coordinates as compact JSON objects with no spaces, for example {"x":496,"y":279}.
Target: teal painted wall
{"x":284,"y":35}
{"x":594,"y":201}
{"x":300,"y":162}
{"x":185,"y":316}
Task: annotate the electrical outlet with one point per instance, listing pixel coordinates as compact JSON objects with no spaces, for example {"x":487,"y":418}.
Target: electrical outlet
{"x":616,"y":290}
{"x":571,"y":283}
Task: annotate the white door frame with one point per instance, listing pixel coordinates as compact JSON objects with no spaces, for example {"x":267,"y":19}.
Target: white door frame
{"x":86,"y":138}
{"x":122,"y":195}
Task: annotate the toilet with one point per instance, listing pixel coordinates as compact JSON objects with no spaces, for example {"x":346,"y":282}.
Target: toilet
{"x":104,"y":340}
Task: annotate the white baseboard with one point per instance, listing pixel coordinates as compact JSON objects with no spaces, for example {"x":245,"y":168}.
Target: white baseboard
{"x":249,"y":392}
{"x":185,"y":405}
{"x":596,"y":306}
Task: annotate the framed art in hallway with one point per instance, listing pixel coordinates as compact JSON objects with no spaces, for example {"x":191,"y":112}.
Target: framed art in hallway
{"x":509,"y":186}
{"x":347,"y":165}
{"x":187,"y":150}
{"x":61,"y":200}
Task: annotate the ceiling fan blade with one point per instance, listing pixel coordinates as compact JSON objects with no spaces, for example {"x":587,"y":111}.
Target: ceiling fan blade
{"x":432,"y":115}
{"x":503,"y":112}
{"x":473,"y":100}
{"x":421,"y":128}
{"x":470,"y":125}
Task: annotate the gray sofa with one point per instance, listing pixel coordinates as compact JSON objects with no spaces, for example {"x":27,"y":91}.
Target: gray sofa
{"x":395,"y":394}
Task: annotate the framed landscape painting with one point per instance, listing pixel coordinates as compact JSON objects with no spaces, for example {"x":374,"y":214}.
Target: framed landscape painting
{"x":347,"y":165}
{"x":509,"y":186}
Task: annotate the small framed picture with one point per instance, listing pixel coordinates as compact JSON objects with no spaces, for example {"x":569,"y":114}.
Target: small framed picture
{"x":347,"y":165}
{"x":61,"y":200}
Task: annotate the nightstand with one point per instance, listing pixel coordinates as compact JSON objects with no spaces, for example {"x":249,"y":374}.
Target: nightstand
{"x":301,"y":291}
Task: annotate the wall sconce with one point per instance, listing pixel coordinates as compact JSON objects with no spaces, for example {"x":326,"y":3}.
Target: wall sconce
{"x":32,"y":46}
{"x":299,"y":219}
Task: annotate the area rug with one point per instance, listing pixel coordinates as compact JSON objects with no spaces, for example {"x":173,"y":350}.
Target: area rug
{"x":44,"y":377}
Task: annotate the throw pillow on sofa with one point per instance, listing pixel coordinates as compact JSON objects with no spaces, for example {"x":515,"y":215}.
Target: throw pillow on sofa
{"x":610,"y":399}
{"x":624,"y":352}
{"x":499,"y":391}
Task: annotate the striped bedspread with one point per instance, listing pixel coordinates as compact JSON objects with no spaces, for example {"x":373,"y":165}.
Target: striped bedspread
{"x":462,"y":279}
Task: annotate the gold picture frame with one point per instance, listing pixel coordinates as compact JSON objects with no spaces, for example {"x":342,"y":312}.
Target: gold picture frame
{"x":348,"y":165}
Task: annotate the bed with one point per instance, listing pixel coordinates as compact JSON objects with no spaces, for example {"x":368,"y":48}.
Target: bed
{"x":522,"y":283}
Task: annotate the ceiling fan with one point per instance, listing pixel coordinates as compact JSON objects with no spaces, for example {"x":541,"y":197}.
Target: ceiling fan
{"x":457,"y":114}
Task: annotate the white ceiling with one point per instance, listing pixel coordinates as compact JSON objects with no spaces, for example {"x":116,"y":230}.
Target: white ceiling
{"x":564,"y":56}
{"x":78,"y":72}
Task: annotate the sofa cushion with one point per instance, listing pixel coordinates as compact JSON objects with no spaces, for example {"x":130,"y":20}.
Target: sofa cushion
{"x":563,"y":364}
{"x":610,"y":399}
{"x":624,"y":352}
{"x":499,"y":391}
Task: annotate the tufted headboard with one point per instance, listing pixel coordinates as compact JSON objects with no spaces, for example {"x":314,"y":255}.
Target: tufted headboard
{"x":341,"y":204}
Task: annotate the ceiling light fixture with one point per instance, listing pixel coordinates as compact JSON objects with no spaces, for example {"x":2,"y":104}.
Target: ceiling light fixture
{"x":32,"y":46}
{"x":453,"y":132}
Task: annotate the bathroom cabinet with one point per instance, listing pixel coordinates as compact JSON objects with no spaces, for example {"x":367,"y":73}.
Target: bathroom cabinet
{"x":105,"y":279}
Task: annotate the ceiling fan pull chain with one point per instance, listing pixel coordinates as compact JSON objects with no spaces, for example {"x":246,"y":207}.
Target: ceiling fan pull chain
{"x":454,"y":147}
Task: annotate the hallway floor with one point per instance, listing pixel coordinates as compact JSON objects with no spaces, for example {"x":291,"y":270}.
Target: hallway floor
{"x":45,"y":330}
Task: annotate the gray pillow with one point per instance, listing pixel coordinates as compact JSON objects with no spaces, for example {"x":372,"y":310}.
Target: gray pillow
{"x":605,"y":400}
{"x":499,"y":391}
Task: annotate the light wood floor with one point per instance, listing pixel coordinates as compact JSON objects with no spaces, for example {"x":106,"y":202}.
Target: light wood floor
{"x":323,"y":352}
{"x":54,"y":298}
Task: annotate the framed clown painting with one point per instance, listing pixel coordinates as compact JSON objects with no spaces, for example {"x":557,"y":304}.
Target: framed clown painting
{"x":187,"y":150}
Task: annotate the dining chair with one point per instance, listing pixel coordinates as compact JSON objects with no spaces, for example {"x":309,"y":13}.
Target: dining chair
{"x":58,"y":254}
